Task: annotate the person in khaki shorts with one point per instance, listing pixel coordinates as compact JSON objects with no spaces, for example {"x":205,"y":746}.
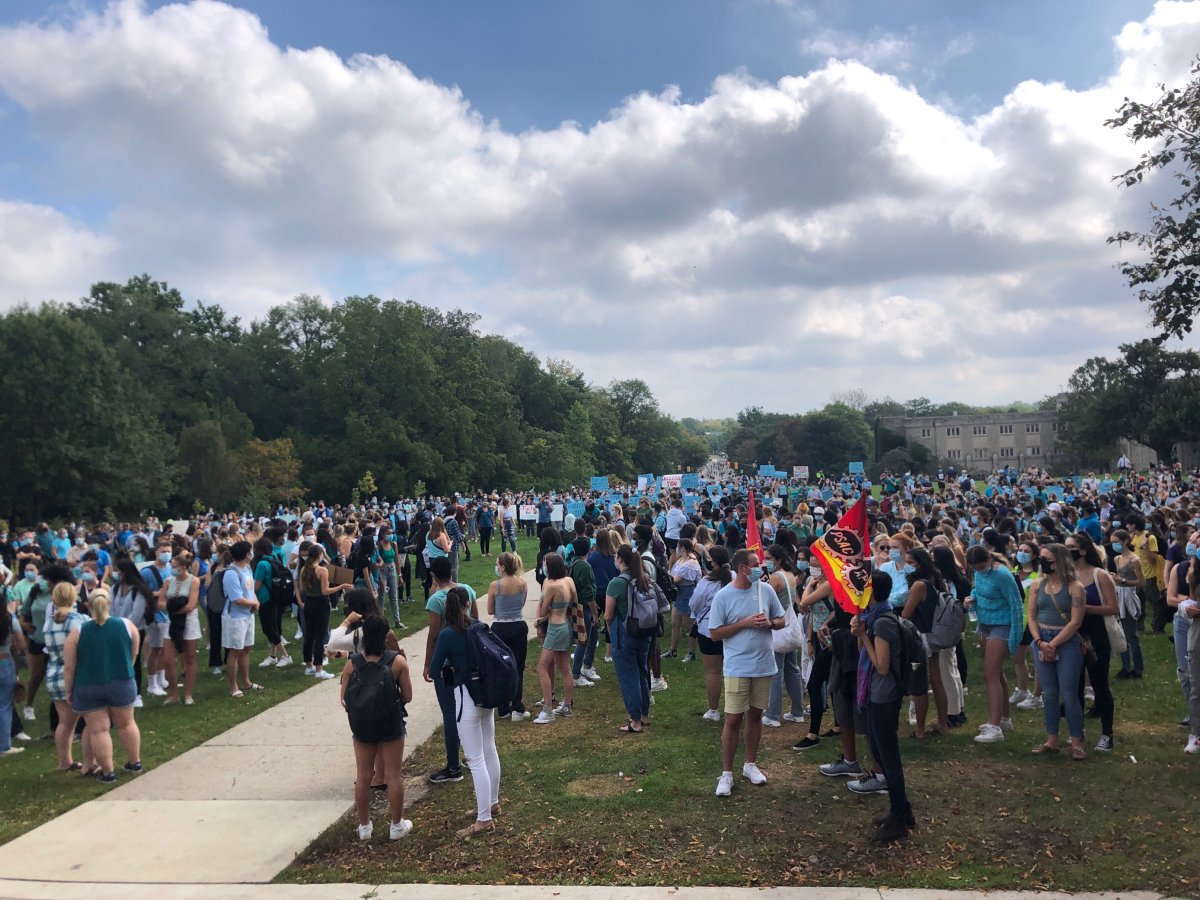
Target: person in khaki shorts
{"x":743,"y":614}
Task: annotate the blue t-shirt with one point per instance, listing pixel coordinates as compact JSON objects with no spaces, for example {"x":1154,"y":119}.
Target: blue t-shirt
{"x":62,"y":546}
{"x":748,"y":653}
{"x":484,"y":518}
{"x":899,"y":595}
{"x":239,"y":585}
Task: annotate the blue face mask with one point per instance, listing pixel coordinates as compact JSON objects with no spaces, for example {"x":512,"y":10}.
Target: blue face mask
{"x":1024,"y":558}
{"x":1116,"y":524}
{"x":895,"y":555}
{"x":1190,"y":550}
{"x":164,"y":557}
{"x":974,"y":520}
{"x":756,"y":573}
{"x":908,"y":570}
{"x":802,"y":566}
{"x":1118,"y":547}
{"x":31,"y":575}
{"x":769,"y":565}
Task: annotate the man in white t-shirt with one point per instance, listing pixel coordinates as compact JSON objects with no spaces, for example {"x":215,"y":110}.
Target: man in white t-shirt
{"x":742,"y":617}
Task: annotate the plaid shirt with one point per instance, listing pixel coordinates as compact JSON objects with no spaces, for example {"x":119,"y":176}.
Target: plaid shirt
{"x":454,"y":532}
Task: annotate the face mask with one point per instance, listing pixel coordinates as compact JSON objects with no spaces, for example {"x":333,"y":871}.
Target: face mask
{"x":895,"y":555}
{"x":802,"y":566}
{"x":79,"y":542}
{"x":1116,"y":524}
{"x":908,"y":570}
{"x":974,"y":520}
{"x":756,"y":573}
{"x":1190,"y":549}
{"x":499,"y":572}
{"x":116,"y":577}
{"x":31,"y":575}
{"x":1118,"y":547}
{"x":164,"y":557}
{"x":1048,"y":566}
{"x":1024,"y":558}
{"x":1076,"y":555}
{"x":77,"y":572}
{"x":93,"y":546}
{"x":769,"y":566}
{"x":89,"y":577}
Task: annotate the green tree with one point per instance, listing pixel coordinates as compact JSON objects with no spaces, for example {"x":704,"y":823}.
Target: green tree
{"x":271,"y":467}
{"x":211,"y":473}
{"x":1167,"y":279}
{"x":835,"y":436}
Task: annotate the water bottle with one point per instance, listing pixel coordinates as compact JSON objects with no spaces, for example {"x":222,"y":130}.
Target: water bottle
{"x":971,"y":614}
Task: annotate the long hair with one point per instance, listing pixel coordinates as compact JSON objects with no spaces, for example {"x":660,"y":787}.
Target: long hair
{"x":308,"y":574}
{"x":633,"y":567}
{"x":924,"y":569}
{"x":1064,"y":565}
{"x":458,"y":609}
{"x":721,"y":572}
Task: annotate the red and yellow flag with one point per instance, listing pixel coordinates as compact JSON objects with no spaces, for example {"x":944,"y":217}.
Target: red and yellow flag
{"x":753,"y":540}
{"x":842,"y":553}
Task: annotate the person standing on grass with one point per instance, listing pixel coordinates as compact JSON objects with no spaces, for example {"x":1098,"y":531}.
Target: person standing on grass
{"x":378,"y":737}
{"x":630,"y":652}
{"x":270,"y":614}
{"x":237,"y":622}
{"x":586,"y":589}
{"x":1129,"y":579}
{"x":476,"y":724}
{"x":711,"y":652}
{"x":1055,"y":611}
{"x":1100,"y":600}
{"x":439,"y":570}
{"x":602,"y":558}
{"x":558,"y":596}
{"x":686,"y":573}
{"x":781,"y":575}
{"x":877,"y":629}
{"x":61,"y":620}
{"x":742,"y":616}
{"x":996,"y":598}
{"x":314,"y":591}
{"x":506,"y":604}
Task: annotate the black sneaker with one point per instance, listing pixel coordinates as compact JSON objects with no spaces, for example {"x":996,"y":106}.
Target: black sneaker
{"x":133,"y":766}
{"x":890,"y":830}
{"x":106,"y":777}
{"x":670,"y":654}
{"x":1123,"y":674}
{"x":443,"y":775}
{"x":805,"y":744}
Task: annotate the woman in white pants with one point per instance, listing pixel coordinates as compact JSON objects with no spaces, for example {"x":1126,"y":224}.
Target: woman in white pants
{"x":476,"y":725}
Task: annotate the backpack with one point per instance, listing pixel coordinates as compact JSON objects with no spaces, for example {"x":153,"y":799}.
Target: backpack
{"x":492,"y":669}
{"x":912,"y":649}
{"x":643,"y":618}
{"x":947,"y":627}
{"x":666,"y":584}
{"x":282,"y":587}
{"x":215,"y":599}
{"x":373,"y":699}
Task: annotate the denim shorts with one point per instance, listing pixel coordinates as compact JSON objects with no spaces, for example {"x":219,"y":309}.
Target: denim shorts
{"x":994,"y":632}
{"x":91,"y":697}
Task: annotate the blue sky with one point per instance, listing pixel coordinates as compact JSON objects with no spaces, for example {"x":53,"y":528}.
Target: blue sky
{"x":867,"y":174}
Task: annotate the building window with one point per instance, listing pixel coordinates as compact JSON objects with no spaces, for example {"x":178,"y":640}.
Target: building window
{"x":979,"y":429}
{"x":980,"y":452}
{"x":1032,"y":428}
{"x":1006,"y":429}
{"x":1054,"y":426}
{"x":926,"y":432}
{"x":1034,"y":451}
{"x":954,"y":454}
{"x":953,"y":432}
{"x":1007,"y":451}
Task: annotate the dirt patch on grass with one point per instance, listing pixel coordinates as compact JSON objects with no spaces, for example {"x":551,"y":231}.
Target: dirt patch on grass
{"x":597,"y":787}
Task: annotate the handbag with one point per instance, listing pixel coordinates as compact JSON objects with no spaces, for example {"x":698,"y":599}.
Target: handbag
{"x":1116,"y":634}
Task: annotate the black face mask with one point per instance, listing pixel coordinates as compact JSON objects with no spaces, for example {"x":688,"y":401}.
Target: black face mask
{"x":1076,"y":555}
{"x":1048,"y":566}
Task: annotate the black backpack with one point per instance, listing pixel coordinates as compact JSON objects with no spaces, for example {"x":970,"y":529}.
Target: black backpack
{"x":373,"y":703}
{"x":282,"y":587}
{"x":912,"y":650}
{"x":215,"y":599}
{"x":662,"y":577}
{"x":492,"y":673}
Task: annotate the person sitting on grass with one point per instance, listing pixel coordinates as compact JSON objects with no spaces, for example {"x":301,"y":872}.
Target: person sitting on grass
{"x":380,"y":675}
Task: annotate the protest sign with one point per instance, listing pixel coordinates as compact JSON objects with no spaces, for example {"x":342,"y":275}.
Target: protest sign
{"x":599,"y":482}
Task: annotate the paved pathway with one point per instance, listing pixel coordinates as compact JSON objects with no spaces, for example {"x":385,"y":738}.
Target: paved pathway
{"x":236,"y":809}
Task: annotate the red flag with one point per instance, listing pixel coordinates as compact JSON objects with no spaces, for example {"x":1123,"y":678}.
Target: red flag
{"x":842,"y":552}
{"x":753,"y":541}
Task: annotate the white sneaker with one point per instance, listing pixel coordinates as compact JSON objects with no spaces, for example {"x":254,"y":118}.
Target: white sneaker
{"x":12,"y":751}
{"x":1031,"y":702}
{"x":283,"y":641}
{"x":1088,"y":693}
{"x":399,"y":829}
{"x":562,"y":710}
{"x":725,"y":784}
{"x":1017,"y":696}
{"x":520,"y":716}
{"x":1006,"y":725}
{"x":771,"y":723}
{"x":1193,"y":745}
{"x":269,"y":663}
{"x":752,"y":772}
{"x":30,"y":715}
{"x":658,"y":684}
{"x":137,"y":702}
{"x":285,"y":661}
{"x":22,"y":736}
{"x":544,"y":718}
{"x":713,"y":715}
{"x":365,"y":831}
{"x":217,"y":671}
{"x":323,"y":675}
{"x":608,"y":659}
{"x":582,"y":682}
{"x":299,"y":635}
{"x":155,"y":691}
{"x":651,"y":699}
{"x":310,"y":670}
{"x":912,"y":713}
{"x":788,"y":717}
{"x":591,"y":673}
{"x":989,"y":734}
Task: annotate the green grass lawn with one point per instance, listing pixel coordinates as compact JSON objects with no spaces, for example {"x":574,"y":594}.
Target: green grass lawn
{"x":585,"y":805}
{"x":33,"y":792}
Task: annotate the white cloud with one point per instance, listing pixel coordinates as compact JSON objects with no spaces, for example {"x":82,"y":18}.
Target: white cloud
{"x":833,"y":227}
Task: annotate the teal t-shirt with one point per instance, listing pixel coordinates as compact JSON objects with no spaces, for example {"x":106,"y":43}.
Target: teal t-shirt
{"x":437,"y":600}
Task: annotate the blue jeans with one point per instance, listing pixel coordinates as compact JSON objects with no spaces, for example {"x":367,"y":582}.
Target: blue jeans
{"x":787,"y":670}
{"x":1181,"y":625}
{"x":1131,"y":659}
{"x":1060,"y":684}
{"x":631,"y":659}
{"x":883,"y":722}
{"x":585,"y":653}
{"x":445,"y":698}
{"x":8,"y":683}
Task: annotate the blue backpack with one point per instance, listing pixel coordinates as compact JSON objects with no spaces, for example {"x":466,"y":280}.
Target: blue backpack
{"x":492,"y":668}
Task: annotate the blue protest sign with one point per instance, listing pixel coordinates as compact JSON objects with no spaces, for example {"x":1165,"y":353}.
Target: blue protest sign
{"x":856,"y":468}
{"x":690,"y":480}
{"x":714,"y":490}
{"x":690,"y":504}
{"x":1055,"y":491}
{"x":766,"y":470}
{"x":576,"y":508}
{"x":826,"y":494}
{"x":599,"y":482}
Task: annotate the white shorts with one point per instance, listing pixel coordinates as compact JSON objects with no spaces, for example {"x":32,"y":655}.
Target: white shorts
{"x":156,"y":634}
{"x":191,"y":628}
{"x":237,"y":634}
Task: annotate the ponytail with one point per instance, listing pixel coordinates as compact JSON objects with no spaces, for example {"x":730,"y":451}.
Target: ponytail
{"x":633,"y":567}
{"x":99,"y":603}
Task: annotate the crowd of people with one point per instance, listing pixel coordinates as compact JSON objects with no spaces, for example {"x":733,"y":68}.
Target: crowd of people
{"x":1058,"y":578}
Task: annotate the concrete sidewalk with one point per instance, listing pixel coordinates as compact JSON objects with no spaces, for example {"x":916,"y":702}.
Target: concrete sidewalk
{"x":19,"y":890}
{"x":237,"y":809}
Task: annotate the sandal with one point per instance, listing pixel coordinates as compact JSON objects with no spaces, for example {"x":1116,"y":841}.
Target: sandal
{"x":90,"y":772}
{"x":73,"y":767}
{"x":629,"y":729}
{"x":1044,"y":748}
{"x":257,"y":687}
{"x":475,"y":830}
{"x":237,"y":695}
{"x":1078,"y":754}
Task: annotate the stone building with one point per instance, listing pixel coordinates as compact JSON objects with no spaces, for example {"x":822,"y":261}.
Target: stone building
{"x":984,"y":442}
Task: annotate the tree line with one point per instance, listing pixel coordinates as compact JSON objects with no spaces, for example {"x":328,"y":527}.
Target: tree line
{"x":131,"y":400}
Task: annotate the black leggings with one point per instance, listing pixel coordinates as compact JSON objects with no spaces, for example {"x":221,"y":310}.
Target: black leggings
{"x":516,"y":636}
{"x":316,"y":628}
{"x":405,"y":590}
{"x":137,"y":663}
{"x":485,"y":540}
{"x":1097,"y":673}
{"x":817,"y":679}
{"x":960,"y":656}
{"x":270,"y":616}
{"x":216,"y":655}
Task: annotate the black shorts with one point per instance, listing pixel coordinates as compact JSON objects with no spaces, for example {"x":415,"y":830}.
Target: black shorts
{"x":35,"y":649}
{"x":918,"y":681}
{"x":1026,"y":638}
{"x":709,"y":647}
